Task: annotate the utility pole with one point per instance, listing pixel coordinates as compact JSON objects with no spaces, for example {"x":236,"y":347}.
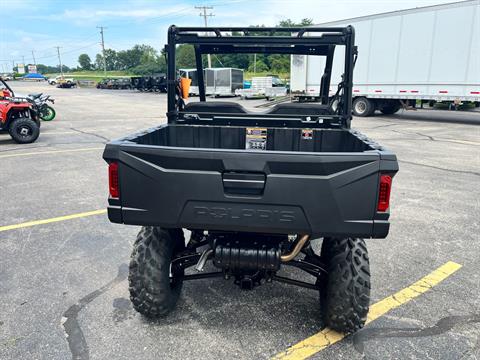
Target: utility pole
{"x":59,"y":59}
{"x":205,"y":16}
{"x":103,"y":50}
{"x":23,"y":59}
{"x":33,"y":55}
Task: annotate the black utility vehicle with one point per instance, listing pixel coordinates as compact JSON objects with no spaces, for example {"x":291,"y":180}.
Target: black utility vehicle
{"x":255,"y":189}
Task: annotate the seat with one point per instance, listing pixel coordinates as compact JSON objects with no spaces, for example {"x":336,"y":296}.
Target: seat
{"x":225,"y":107}
{"x":300,"y":109}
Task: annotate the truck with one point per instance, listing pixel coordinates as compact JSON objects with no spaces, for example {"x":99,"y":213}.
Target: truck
{"x":253,"y":190}
{"x":60,"y":79}
{"x":408,"y":57}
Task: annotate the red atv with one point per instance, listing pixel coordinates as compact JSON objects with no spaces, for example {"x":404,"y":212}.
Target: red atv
{"x":17,"y":116}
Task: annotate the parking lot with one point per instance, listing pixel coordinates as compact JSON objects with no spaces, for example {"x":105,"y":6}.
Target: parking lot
{"x":63,"y":271}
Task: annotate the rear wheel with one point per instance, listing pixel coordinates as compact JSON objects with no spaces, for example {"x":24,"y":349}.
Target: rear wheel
{"x":154,"y":288}
{"x":363,"y":107}
{"x":48,"y":113}
{"x":24,"y":130}
{"x":345,"y":291}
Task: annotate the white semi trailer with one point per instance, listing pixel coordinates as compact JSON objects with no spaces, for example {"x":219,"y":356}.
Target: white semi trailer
{"x":429,"y":54}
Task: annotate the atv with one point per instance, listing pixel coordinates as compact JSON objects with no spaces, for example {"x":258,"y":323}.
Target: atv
{"x":17,"y":116}
{"x":258,"y":192}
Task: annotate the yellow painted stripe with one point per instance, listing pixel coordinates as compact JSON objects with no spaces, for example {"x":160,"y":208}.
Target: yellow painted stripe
{"x":52,"y":220}
{"x":50,"y":152}
{"x":327,"y":337}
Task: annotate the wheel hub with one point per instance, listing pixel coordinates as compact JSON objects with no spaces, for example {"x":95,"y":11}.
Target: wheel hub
{"x":24,"y":131}
{"x":360,"y":107}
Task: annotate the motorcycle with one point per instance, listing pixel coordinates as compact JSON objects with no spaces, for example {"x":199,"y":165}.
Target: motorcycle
{"x":39,"y":102}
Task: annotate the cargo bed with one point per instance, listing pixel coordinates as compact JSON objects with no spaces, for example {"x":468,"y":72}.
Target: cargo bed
{"x":234,"y":137}
{"x":202,"y":177}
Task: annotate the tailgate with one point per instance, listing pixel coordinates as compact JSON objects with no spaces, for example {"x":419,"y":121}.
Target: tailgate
{"x":322,"y":194}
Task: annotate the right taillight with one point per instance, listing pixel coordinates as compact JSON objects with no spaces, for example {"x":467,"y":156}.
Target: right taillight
{"x":384,"y":193}
{"x":113,"y":180}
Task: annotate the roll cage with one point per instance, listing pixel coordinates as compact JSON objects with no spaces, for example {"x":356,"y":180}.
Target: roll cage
{"x":266,"y":40}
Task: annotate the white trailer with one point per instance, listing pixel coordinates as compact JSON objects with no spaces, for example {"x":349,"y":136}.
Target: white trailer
{"x":430,"y":54}
{"x":223,"y":81}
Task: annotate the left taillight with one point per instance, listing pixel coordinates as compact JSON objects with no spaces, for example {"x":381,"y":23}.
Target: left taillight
{"x":113,"y":180}
{"x":384,"y":193}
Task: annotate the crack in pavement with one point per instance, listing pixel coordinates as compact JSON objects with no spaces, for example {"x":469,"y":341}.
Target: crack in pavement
{"x":73,"y":332}
{"x":440,"y":168}
{"x":89,"y":133}
{"x":442,"y":326}
{"x":431,"y":138}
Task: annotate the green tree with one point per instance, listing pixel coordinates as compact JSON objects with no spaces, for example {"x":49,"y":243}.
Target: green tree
{"x":185,"y":56}
{"x":261,"y":66}
{"x":290,"y":23}
{"x":85,"y":62}
{"x":111,"y":60}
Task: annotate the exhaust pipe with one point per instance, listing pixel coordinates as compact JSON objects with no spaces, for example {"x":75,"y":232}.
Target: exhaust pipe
{"x":298,"y":246}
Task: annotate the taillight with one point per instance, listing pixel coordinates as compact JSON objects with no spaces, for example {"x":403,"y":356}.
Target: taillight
{"x":113,"y":179}
{"x":384,"y":192}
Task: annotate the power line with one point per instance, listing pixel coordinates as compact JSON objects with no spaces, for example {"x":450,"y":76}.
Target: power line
{"x":205,"y":16}
{"x":103,"y":50}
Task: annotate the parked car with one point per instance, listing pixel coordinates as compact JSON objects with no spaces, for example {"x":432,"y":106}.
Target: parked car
{"x":7,"y":77}
{"x":115,"y":83}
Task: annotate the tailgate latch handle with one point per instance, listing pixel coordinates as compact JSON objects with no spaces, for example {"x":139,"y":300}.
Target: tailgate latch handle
{"x":243,"y":183}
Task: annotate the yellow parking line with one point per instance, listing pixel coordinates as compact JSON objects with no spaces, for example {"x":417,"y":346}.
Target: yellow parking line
{"x":50,"y":152}
{"x":327,"y":337}
{"x":52,"y":220}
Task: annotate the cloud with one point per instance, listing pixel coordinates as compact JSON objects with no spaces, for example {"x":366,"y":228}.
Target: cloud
{"x":144,"y":13}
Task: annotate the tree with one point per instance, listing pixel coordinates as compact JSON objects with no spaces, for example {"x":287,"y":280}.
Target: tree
{"x":261,"y":66}
{"x":185,"y":56}
{"x":290,"y":23}
{"x":111,"y":60}
{"x":85,"y":62}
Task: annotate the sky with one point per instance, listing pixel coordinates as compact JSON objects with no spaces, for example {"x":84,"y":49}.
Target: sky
{"x":41,"y":25}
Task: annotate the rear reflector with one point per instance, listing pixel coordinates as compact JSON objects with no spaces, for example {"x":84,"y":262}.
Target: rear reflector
{"x":384,"y":193}
{"x":113,"y":179}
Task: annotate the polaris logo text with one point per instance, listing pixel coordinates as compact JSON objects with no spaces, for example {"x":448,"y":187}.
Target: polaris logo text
{"x":244,"y":214}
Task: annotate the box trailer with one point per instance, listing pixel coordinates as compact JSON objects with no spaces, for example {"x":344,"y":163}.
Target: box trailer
{"x":429,"y":54}
{"x":223,"y":81}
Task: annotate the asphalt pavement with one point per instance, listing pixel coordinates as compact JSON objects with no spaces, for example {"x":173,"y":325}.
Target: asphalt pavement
{"x":63,"y":285}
